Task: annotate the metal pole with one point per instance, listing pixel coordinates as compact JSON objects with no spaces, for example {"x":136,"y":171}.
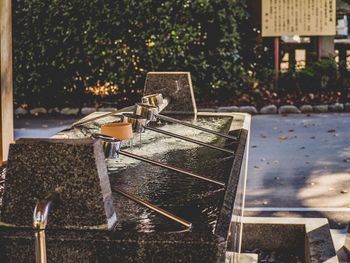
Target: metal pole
{"x":40,"y":246}
{"x":277,"y":59}
{"x":40,"y":218}
{"x":169,"y":119}
{"x":189,"y":139}
{"x":153,"y":207}
{"x":140,"y":158}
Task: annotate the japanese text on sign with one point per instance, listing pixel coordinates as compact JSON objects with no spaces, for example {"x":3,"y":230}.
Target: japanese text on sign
{"x":298,"y":17}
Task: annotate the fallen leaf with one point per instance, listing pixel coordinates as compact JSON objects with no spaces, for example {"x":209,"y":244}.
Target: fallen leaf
{"x":291,"y":130}
{"x":256,"y":167}
{"x":283,"y":137}
{"x":263,"y":136}
{"x":254,"y":146}
{"x":312,"y":137}
{"x":344,"y":191}
{"x":331,"y":130}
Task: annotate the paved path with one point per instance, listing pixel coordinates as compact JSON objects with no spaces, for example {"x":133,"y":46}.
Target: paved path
{"x":41,"y":127}
{"x":299,"y":165}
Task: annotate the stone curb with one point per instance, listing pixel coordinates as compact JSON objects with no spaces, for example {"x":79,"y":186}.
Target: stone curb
{"x":269,"y":109}
{"x":272,"y":233}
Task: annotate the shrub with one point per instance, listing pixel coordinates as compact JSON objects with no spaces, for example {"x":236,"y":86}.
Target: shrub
{"x":315,"y":77}
{"x":318,"y":76}
{"x":72,"y":52}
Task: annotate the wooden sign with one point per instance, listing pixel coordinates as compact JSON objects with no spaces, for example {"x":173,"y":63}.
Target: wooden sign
{"x":298,"y":17}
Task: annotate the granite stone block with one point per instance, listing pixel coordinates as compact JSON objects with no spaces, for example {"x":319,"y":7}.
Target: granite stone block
{"x":75,"y":168}
{"x":177,"y":86}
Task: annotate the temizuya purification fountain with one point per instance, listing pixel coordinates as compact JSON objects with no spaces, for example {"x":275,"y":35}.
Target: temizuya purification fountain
{"x":92,"y":193}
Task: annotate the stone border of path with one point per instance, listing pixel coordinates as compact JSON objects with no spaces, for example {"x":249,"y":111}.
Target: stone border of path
{"x":270,"y":109}
{"x":285,"y":109}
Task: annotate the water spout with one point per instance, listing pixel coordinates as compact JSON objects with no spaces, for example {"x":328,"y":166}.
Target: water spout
{"x":40,"y":219}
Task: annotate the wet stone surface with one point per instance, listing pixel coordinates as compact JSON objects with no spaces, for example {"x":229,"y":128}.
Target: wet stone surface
{"x":190,"y":198}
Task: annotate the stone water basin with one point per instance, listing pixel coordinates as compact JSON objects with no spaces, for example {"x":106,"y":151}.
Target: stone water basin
{"x":142,"y":235}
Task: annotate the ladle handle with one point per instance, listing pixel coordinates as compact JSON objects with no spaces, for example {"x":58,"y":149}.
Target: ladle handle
{"x":172,"y":168}
{"x":188,"y":139}
{"x":106,"y":138}
{"x":154,"y":207}
{"x":169,"y":119}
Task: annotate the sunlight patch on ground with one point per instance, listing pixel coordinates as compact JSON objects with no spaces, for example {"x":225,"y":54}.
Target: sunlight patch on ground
{"x":326,"y":190}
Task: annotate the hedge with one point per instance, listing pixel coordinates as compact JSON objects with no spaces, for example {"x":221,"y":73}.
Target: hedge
{"x":63,"y":49}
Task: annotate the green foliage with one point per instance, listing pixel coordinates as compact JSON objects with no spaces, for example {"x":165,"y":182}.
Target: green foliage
{"x":288,"y":82}
{"x":63,"y":47}
{"x":319,"y":76}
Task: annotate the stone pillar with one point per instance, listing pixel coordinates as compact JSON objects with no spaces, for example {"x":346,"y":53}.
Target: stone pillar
{"x":6,"y":105}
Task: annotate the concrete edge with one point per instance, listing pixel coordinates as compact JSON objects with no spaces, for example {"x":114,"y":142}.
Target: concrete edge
{"x":319,"y":245}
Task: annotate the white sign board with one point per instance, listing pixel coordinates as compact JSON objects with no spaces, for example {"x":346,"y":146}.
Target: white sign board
{"x":298,"y":17}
